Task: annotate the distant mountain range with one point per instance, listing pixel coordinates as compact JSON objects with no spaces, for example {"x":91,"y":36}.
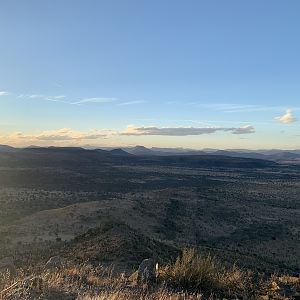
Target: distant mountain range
{"x":273,"y":154}
{"x":276,"y":155}
{"x":5,"y":148}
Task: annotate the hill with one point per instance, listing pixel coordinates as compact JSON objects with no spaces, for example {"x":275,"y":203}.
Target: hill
{"x":282,"y":156}
{"x":115,"y":243}
{"x":5,"y":148}
{"x":119,"y":151}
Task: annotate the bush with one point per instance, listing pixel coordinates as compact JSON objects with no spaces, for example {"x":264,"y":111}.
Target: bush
{"x":197,"y":273}
{"x":192,"y":272}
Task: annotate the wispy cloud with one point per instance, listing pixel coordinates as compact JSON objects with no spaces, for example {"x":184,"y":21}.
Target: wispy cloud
{"x":95,"y":100}
{"x":240,"y":108}
{"x":131,"y":102}
{"x":4,"y":93}
{"x":235,"y":107}
{"x":36,"y":96}
{"x":287,"y":118}
{"x":184,"y":131}
{"x":63,"y":99}
{"x":40,"y":96}
{"x":58,"y":98}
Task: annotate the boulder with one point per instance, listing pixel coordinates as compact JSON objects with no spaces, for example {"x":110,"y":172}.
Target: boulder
{"x":146,"y":272}
{"x":54,"y":262}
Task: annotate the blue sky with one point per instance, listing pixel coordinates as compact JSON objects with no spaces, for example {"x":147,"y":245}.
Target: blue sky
{"x":166,"y":73}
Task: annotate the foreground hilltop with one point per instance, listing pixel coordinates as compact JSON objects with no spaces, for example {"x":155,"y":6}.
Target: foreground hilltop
{"x":191,"y":276}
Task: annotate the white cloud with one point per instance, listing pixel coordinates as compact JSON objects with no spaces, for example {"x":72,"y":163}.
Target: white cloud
{"x":184,"y":131}
{"x":66,"y":134}
{"x":63,"y":134}
{"x":244,"y":130}
{"x":3,"y":93}
{"x":287,"y":118}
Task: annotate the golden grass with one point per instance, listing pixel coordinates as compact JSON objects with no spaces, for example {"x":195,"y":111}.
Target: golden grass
{"x":190,"y":277}
{"x":192,"y":271}
{"x":159,"y":295}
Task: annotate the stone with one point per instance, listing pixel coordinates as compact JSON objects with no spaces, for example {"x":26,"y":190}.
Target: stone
{"x":54,"y":262}
{"x":146,"y":272}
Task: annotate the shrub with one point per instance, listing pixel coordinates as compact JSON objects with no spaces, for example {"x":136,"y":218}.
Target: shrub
{"x":192,"y":272}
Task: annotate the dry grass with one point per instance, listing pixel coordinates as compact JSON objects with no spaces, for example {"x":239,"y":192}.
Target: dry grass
{"x":192,"y":272}
{"x":196,"y":273}
{"x":191,"y":277}
{"x":159,"y":295}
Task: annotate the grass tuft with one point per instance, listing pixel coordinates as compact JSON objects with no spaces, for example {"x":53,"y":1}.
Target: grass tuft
{"x":192,"y":272}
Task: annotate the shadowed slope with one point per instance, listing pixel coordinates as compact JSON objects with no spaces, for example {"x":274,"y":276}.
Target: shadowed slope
{"x":116,"y":243}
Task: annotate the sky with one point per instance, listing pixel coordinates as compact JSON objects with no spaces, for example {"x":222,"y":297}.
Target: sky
{"x":164,"y":73}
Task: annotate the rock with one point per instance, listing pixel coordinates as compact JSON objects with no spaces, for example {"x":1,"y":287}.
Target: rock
{"x":7,"y":264}
{"x":54,"y":262}
{"x":146,"y":272}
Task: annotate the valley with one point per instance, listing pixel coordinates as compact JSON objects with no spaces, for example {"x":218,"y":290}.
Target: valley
{"x":243,"y":210}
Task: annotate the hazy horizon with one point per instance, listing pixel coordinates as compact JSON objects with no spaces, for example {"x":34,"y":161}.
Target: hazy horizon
{"x":92,"y":147}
